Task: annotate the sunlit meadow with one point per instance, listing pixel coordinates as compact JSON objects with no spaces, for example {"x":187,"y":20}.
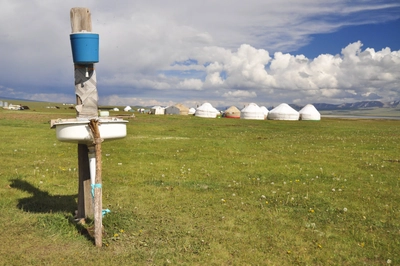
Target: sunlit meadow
{"x":194,"y":191}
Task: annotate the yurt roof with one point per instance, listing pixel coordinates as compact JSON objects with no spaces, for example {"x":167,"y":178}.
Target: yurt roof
{"x":283,"y":108}
{"x":265,"y":110}
{"x":252,"y":107}
{"x":206,"y":107}
{"x":232,"y":109}
{"x":309,"y":109}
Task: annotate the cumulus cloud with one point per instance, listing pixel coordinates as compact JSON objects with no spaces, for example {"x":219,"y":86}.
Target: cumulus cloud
{"x":355,"y":74}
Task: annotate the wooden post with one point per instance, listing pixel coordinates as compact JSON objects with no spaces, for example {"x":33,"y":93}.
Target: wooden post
{"x":81,"y":20}
{"x":85,"y":205}
{"x":98,"y":208}
{"x":86,"y":93}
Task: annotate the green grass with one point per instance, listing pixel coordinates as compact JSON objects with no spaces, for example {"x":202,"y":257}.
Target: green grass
{"x":193,"y":191}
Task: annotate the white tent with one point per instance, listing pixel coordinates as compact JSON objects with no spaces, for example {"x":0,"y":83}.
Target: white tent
{"x":172,"y":110}
{"x":265,"y":111}
{"x":127,"y":109}
{"x":283,"y":112}
{"x":309,"y":112}
{"x":157,"y":110}
{"x":206,"y":110}
{"x":115,"y":109}
{"x":192,"y":111}
{"x":252,"y":111}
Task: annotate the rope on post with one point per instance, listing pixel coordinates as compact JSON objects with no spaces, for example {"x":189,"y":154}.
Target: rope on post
{"x":93,"y":187}
{"x":98,"y":212}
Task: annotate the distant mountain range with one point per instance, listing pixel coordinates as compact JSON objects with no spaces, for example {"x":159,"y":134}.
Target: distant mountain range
{"x":349,"y":106}
{"x":15,"y":99}
{"x":356,"y":105}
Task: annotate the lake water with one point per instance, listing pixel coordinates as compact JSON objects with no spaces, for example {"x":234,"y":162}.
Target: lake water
{"x":361,"y":117}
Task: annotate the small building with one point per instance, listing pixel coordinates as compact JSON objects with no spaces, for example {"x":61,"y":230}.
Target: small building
{"x":192,"y":111}
{"x":14,"y":107}
{"x":252,"y":111}
{"x":309,"y":112}
{"x":283,"y":112}
{"x":183,"y":110}
{"x":177,"y":109}
{"x":232,"y":112}
{"x":157,"y":110}
{"x":172,"y":110}
{"x":206,"y":110}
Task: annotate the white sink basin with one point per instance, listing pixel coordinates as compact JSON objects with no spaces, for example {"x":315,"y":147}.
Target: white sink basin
{"x":78,"y":131}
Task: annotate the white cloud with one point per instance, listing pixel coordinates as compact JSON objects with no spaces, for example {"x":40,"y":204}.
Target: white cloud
{"x":191,"y":84}
{"x":214,"y":79}
{"x":239,"y":94}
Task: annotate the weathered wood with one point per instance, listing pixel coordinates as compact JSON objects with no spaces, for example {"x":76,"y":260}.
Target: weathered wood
{"x":86,"y":91}
{"x":98,"y":208}
{"x":85,"y":205}
{"x":89,"y":211}
{"x":81,"y":19}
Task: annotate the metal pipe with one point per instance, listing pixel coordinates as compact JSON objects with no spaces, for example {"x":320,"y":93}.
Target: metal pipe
{"x":92,"y":164}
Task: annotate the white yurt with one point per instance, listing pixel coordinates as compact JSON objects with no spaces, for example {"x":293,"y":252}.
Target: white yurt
{"x":283,"y":112}
{"x":309,"y":112}
{"x":127,"y":108}
{"x":232,"y":112}
{"x":206,"y":110}
{"x":252,"y":111}
{"x":157,"y":110}
{"x":265,"y":111}
{"x":191,"y":111}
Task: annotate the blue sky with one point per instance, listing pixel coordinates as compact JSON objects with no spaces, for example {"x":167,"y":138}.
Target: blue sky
{"x":377,"y":36}
{"x":225,"y":52}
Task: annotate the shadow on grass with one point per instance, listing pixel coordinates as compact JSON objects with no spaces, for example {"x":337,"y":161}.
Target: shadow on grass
{"x":42,"y":202}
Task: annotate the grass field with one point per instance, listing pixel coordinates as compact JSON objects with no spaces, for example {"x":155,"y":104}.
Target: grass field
{"x":190,"y":191}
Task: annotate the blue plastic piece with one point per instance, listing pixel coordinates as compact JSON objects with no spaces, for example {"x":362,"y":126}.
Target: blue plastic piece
{"x":85,"y":48}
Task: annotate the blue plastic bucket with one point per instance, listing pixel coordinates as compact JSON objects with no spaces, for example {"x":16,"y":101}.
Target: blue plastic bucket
{"x":85,"y":47}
